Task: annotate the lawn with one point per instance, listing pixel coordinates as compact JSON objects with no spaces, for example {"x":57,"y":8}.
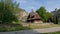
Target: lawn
{"x":17,"y":27}
{"x":12,"y":27}
{"x":40,"y":26}
{"x":53,"y":33}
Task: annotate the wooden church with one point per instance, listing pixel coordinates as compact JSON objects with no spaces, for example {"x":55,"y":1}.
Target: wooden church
{"x":33,"y":17}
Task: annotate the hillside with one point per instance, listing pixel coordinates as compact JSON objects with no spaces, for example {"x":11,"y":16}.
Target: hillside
{"x":56,"y":12}
{"x":21,"y":14}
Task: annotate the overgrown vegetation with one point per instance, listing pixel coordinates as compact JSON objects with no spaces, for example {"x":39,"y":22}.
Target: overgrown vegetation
{"x":12,"y":27}
{"x":46,"y":16}
{"x":7,"y":11}
{"x":43,"y":13}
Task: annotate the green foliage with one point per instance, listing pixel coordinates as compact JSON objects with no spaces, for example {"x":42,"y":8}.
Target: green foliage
{"x":43,"y":14}
{"x":48,"y":15}
{"x":56,"y":12}
{"x":53,"y":33}
{"x":12,"y":28}
{"x":55,"y":20}
{"x":7,"y":11}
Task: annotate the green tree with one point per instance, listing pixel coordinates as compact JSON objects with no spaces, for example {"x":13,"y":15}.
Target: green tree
{"x":42,"y":12}
{"x":55,"y":20}
{"x":7,"y":11}
{"x":48,"y":15}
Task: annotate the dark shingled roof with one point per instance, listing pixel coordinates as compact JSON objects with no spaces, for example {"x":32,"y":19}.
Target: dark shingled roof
{"x":33,"y":15}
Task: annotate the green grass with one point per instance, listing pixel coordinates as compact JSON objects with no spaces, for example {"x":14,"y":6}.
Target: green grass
{"x":53,"y":33}
{"x":19,"y":22}
{"x":8,"y":28}
{"x":17,"y":27}
{"x":43,"y":26}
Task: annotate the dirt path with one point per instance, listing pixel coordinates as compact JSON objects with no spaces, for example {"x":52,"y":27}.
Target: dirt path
{"x":34,"y":31}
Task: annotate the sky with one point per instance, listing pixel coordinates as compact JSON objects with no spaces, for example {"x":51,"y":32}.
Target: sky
{"x":49,"y":5}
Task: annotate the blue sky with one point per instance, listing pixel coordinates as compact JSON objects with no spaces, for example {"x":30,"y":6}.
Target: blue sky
{"x":50,"y":5}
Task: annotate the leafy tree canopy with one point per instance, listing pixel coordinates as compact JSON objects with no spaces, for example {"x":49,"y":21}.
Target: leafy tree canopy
{"x":43,"y":13}
{"x":7,"y":11}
